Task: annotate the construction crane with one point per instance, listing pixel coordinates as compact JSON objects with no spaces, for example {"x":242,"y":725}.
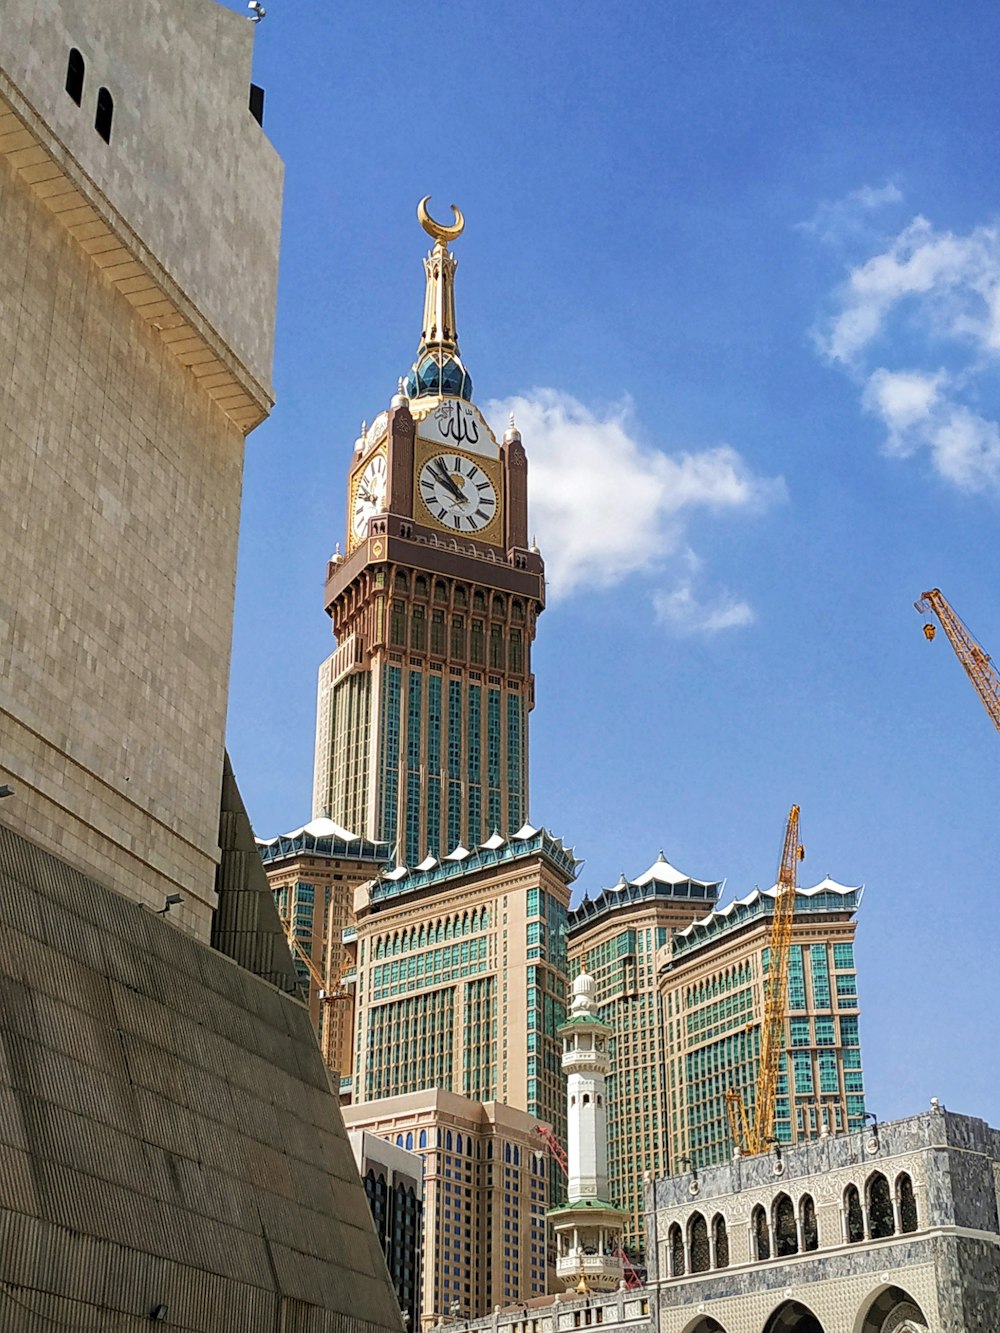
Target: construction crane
{"x":754,"y":1136}
{"x":325,"y":993}
{"x":976,"y":663}
{"x":632,"y":1278}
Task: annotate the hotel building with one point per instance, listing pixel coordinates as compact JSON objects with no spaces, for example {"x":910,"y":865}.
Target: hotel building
{"x":712,"y":977}
{"x":617,"y":935}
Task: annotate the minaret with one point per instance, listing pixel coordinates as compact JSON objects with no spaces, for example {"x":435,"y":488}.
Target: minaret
{"x":587,"y":1227}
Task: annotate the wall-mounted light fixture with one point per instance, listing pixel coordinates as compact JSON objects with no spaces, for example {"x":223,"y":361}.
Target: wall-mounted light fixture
{"x":171,"y":900}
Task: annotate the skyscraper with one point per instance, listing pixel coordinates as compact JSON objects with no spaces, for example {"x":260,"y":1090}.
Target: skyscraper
{"x":618,"y":934}
{"x":457,"y":953}
{"x":713,"y":981}
{"x":422,"y":717}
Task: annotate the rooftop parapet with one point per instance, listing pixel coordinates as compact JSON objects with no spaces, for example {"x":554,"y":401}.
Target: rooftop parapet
{"x":496,"y":850}
{"x":827,"y":896}
{"x":322,"y":837}
{"x":661,"y":880}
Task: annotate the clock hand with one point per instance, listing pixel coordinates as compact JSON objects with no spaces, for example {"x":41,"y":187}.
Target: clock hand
{"x":445,"y":478}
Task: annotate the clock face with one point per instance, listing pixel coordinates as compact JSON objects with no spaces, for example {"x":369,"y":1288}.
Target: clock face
{"x":457,"y":492}
{"x":369,"y":495}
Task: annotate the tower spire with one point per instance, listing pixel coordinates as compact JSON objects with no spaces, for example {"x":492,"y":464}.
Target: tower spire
{"x":438,"y":370}
{"x":439,"y":300}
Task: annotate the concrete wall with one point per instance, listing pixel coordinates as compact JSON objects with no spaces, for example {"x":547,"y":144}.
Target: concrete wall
{"x":120,"y":484}
{"x":167,"y":1133}
{"x":188,"y":167}
{"x":135,"y":277}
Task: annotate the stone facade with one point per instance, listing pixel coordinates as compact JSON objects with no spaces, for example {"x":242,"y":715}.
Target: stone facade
{"x":137,"y":285}
{"x":893,"y":1255}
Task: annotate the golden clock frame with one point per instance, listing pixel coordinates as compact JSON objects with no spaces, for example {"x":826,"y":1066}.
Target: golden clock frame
{"x":492,"y":532}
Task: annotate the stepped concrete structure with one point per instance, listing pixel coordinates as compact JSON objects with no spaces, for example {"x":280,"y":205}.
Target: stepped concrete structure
{"x":170,"y":1150}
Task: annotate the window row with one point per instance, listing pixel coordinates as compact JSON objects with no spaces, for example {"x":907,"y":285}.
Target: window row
{"x":76,"y":73}
{"x":421,"y":588}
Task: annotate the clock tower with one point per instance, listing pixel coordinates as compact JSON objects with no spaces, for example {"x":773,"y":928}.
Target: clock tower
{"x":422,"y":720}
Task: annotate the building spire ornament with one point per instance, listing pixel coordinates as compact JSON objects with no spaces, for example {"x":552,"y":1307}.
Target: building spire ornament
{"x":438,"y":370}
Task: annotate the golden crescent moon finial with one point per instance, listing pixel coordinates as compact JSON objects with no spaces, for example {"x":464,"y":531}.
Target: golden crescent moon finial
{"x":437,"y":229}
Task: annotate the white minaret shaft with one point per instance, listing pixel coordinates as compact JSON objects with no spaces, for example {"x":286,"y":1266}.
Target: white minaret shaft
{"x":587,"y":1064}
{"x":587,"y":1226}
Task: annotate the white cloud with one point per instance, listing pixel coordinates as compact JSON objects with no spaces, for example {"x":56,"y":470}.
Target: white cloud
{"x":605,"y":505}
{"x":681,"y":610}
{"x":904,"y":400}
{"x":934,"y":297}
{"x":838,"y":222}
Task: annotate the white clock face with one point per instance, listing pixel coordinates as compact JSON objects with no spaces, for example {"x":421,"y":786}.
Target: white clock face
{"x":457,"y":492}
{"x":369,"y":496}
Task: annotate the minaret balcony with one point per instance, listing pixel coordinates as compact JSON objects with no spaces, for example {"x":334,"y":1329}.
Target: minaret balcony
{"x":602,"y":1272}
{"x":596,"y":1062}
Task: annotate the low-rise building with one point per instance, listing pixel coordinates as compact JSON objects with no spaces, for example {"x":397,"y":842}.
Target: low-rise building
{"x":892,"y":1229}
{"x":485,"y":1193}
{"x":394,"y":1186}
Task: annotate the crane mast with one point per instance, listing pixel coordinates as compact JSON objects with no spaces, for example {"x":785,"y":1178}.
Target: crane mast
{"x":974,"y":660}
{"x":753,"y":1136}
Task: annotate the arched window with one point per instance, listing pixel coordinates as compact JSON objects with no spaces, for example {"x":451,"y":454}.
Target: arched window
{"x":759,"y":1233}
{"x":458,"y":1144}
{"x":448,"y":1140}
{"x":422,"y":1141}
{"x":675,"y":1242}
{"x":399,"y":1140}
{"x":541,"y":1167}
{"x":721,"y":1238}
{"x":409,"y":1141}
{"x":517,"y":1155}
{"x":75,"y":71}
{"x":907,"y":1203}
{"x":105,"y":114}
{"x":586,"y":1099}
{"x":506,"y":1153}
{"x":853,"y":1215}
{"x":807,"y":1216}
{"x":698,"y":1243}
{"x":786,"y":1240}
{"x":880,"y":1219}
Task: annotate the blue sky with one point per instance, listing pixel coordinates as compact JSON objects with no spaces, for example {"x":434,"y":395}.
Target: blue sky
{"x":738,"y":270}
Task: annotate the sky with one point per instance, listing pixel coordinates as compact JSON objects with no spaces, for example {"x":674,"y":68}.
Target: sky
{"x":736,"y":270}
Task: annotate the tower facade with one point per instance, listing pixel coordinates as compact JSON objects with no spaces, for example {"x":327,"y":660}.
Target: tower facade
{"x":713,"y":981}
{"x":619,"y":933}
{"x":422,"y":717}
{"x":587,"y":1227}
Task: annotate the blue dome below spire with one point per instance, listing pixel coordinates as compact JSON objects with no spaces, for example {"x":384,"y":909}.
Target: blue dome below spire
{"x":431,"y":377}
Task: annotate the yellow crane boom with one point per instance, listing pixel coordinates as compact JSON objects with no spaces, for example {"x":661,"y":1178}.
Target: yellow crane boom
{"x":974,"y":660}
{"x":753,"y":1136}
